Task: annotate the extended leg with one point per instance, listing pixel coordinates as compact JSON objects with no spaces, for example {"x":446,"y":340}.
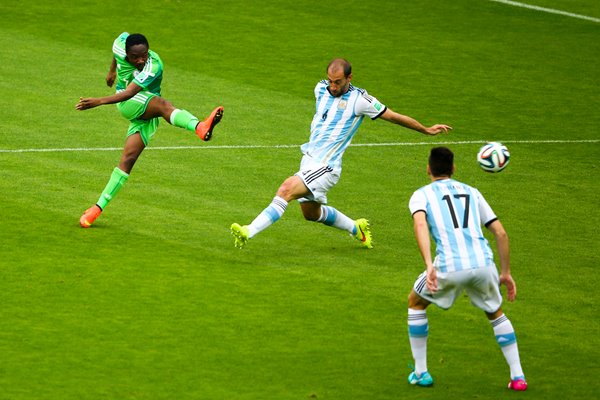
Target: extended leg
{"x":159,"y":107}
{"x":291,"y":189}
{"x":329,"y":216}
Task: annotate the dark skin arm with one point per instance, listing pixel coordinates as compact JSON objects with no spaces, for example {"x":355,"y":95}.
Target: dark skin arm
{"x":112,"y":73}
{"x":91,"y":102}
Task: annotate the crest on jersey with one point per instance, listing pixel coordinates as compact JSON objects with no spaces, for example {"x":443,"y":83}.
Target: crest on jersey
{"x":342,"y":105}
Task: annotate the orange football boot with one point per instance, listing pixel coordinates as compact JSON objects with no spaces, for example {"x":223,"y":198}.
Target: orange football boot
{"x":204,"y":129}
{"x":89,"y":216}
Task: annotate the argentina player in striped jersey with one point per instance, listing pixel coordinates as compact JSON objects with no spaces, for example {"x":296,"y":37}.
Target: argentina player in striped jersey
{"x":452,"y":213}
{"x":340,"y":109}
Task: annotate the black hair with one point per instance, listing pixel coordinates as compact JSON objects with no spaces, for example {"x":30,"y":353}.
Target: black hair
{"x":441,"y":161}
{"x":135,"y":39}
{"x":341,"y":63}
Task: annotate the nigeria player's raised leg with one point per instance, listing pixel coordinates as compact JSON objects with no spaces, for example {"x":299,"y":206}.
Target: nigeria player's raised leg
{"x":159,"y":107}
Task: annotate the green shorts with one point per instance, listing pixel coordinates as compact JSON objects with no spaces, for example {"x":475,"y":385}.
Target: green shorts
{"x":134,"y":108}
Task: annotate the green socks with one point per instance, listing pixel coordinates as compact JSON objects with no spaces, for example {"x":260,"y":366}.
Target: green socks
{"x":180,"y":118}
{"x":115,"y":183}
{"x":183,"y":119}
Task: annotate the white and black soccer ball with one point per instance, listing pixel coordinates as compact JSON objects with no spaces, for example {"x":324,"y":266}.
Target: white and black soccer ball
{"x":493,"y":157}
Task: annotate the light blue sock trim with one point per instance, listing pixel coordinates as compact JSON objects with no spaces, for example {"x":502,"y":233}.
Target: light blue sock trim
{"x":276,"y":209}
{"x":272,"y":214}
{"x":506,"y":339}
{"x":330,"y":215}
{"x":418,"y":330}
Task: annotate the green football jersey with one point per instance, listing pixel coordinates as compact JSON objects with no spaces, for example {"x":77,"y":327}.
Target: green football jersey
{"x":148,"y":78}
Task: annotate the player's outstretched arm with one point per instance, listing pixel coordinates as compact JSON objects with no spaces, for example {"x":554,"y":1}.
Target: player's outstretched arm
{"x":411,"y":123}
{"x":91,"y":102}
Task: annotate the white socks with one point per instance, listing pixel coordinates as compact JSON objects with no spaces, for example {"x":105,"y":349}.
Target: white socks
{"x":418,"y":329}
{"x":332,"y":217}
{"x":505,"y":336}
{"x":268,"y":216}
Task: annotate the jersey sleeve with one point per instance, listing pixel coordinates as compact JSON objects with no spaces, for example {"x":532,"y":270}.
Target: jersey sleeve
{"x":118,"y":47}
{"x":486,"y":213}
{"x":320,"y":89}
{"x":418,"y":202}
{"x":368,"y":105}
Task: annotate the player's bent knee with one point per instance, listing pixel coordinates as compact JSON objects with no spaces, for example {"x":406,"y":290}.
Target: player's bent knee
{"x":416,"y":302}
{"x":494,"y":315}
{"x":287,"y":189}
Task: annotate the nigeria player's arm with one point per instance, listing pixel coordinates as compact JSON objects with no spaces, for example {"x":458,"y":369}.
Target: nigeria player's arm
{"x":411,"y":123}
{"x":112,"y":73}
{"x":91,"y":102}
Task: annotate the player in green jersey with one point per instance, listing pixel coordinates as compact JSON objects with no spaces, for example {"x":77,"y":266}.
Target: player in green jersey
{"x":138,"y":73}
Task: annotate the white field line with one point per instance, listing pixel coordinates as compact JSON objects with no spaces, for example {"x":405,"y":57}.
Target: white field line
{"x":295,"y":146}
{"x":548,"y":10}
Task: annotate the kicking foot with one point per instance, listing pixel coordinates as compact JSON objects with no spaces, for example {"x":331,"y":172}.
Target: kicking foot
{"x":204,"y":129}
{"x":89,"y":216}
{"x":241,"y":235}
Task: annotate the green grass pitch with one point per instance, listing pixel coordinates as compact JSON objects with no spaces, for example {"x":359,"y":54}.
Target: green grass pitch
{"x":154,"y":302}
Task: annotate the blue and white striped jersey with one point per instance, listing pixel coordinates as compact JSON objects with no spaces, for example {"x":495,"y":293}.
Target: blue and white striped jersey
{"x":455,"y":212}
{"x":336,"y":121}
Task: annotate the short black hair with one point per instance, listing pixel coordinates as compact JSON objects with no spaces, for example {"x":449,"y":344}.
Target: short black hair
{"x":341,"y":63}
{"x":441,"y":161}
{"x":135,"y":39}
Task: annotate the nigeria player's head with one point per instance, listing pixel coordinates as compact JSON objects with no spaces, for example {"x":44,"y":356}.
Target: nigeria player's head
{"x":136,"y":47}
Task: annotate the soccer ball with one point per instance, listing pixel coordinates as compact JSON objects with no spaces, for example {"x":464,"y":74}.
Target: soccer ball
{"x":493,"y":157}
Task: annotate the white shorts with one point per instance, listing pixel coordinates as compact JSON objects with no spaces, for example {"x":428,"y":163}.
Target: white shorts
{"x":482,"y":286}
{"x":319,"y":179}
